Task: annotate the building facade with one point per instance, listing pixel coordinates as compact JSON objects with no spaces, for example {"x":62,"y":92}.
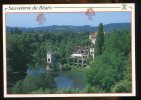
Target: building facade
{"x":81,"y":55}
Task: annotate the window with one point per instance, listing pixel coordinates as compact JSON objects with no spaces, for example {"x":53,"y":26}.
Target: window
{"x":48,"y":59}
{"x":80,"y":61}
{"x":92,"y":48}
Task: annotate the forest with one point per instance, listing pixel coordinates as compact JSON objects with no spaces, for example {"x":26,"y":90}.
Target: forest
{"x":109,"y":72}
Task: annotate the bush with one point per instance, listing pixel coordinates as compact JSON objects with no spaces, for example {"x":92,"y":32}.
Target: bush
{"x":94,"y":89}
{"x":41,"y":91}
{"x":122,"y":86}
{"x":68,"y":90}
{"x":66,"y":67}
{"x":32,"y":83}
{"x":18,"y":88}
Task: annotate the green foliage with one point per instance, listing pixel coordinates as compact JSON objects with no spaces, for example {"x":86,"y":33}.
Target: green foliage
{"x":18,"y":56}
{"x":118,"y":40}
{"x":122,"y":86}
{"x":9,"y":72}
{"x":16,"y":31}
{"x":29,"y":50}
{"x":68,"y":90}
{"x":41,"y":91}
{"x":99,"y":40}
{"x":90,"y":89}
{"x":32,"y":83}
{"x":66,"y":67}
{"x":110,"y":71}
{"x":79,"y":69}
{"x":105,"y":70}
{"x":18,"y":88}
{"x":34,"y":46}
{"x":111,"y":67}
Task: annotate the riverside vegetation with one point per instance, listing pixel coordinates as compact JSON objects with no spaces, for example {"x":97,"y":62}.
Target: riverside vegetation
{"x":110,"y":71}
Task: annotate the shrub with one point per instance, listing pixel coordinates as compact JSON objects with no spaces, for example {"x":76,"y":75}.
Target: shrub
{"x":32,"y":83}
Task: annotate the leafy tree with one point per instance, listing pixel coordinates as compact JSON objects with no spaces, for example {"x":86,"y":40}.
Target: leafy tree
{"x":17,"y":30}
{"x":118,"y":40}
{"x":16,"y":62}
{"x":124,"y":85}
{"x":41,"y":91}
{"x":35,"y":83}
{"x":99,"y":40}
{"x":68,"y":90}
{"x":105,"y":70}
{"x":111,"y":68}
{"x":18,"y":88}
{"x":19,"y":55}
{"x":90,"y":89}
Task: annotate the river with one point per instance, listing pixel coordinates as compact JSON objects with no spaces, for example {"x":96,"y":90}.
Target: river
{"x":63,"y":79}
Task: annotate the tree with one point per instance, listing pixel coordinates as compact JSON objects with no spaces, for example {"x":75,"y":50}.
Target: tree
{"x":41,"y":91}
{"x":124,"y":85}
{"x":104,"y":71}
{"x":17,"y":31}
{"x":111,"y":70}
{"x":18,"y":88}
{"x":90,"y":89}
{"x":33,"y":83}
{"x":99,"y":40}
{"x":16,"y":62}
{"x":44,"y":81}
{"x":19,"y":56}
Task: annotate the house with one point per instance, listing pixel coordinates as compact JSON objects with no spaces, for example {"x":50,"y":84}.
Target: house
{"x":81,"y":55}
{"x":92,"y":37}
{"x":78,"y":60}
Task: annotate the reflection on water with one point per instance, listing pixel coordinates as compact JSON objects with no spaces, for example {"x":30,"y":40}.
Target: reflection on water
{"x":69,"y":79}
{"x":63,"y":79}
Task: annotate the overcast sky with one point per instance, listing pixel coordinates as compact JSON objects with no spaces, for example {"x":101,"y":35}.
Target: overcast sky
{"x":75,"y":19}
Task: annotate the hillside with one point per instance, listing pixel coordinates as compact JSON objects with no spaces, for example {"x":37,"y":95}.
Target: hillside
{"x":86,"y":28}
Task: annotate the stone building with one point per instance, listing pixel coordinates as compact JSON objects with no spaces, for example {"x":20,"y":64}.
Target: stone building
{"x":49,"y":57}
{"x":81,"y":55}
{"x":50,"y":62}
{"x":78,"y":60}
{"x":92,"y":37}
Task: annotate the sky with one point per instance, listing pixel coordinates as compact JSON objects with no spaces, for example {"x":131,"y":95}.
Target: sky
{"x":75,"y":19}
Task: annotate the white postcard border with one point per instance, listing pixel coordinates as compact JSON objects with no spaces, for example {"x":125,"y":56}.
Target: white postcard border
{"x":74,"y":8}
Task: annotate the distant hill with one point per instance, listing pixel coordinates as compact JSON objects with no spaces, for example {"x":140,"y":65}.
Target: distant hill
{"x":85,"y":28}
{"x":117,"y":26}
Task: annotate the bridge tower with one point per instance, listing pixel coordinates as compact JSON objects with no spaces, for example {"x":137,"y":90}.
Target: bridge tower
{"x":50,"y":61}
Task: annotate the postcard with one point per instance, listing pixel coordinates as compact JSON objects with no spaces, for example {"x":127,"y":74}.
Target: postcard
{"x":69,"y":50}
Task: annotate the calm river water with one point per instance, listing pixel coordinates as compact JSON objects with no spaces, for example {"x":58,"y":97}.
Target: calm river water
{"x":63,"y":79}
